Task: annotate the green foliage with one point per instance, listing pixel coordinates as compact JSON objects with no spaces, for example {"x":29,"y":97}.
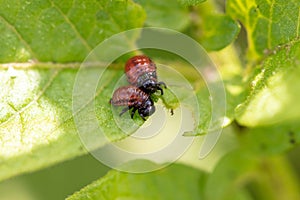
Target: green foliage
{"x":215,"y":36}
{"x":37,"y":119}
{"x":59,"y":31}
{"x":157,"y":10}
{"x":274,"y":89}
{"x":255,"y":166}
{"x":268,"y":23}
{"x":213,"y":30}
{"x":191,"y":2}
{"x":161,"y":184}
{"x":42,"y":45}
{"x":37,"y":127}
{"x":244,"y":175}
{"x":271,"y":140}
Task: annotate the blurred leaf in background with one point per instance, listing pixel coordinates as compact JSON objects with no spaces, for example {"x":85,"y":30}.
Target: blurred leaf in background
{"x":154,"y":185}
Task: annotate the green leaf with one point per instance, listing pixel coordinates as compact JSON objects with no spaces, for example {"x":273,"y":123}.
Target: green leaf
{"x":225,"y":181}
{"x":268,"y":23}
{"x":234,"y":94}
{"x":256,"y":167}
{"x":36,"y":119}
{"x":59,"y":31}
{"x":191,"y":2}
{"x":174,"y":182}
{"x":165,"y":14}
{"x":218,"y":31}
{"x":169,"y":99}
{"x":246,"y":175}
{"x":274,"y":93}
{"x":271,"y":140}
{"x":214,"y":30}
{"x":37,"y":127}
{"x":230,"y":70}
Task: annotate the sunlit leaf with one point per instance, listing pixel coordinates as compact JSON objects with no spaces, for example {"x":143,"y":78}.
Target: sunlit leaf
{"x":274,"y":93}
{"x":36,"y":120}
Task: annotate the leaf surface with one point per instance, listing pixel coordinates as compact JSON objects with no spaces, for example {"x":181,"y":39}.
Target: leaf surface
{"x":59,"y":31}
{"x":191,"y":2}
{"x":274,"y":89}
{"x":36,"y":119}
{"x":257,"y":167}
{"x":268,"y":23}
{"x":218,"y":31}
{"x":165,"y":14}
{"x":161,"y":184}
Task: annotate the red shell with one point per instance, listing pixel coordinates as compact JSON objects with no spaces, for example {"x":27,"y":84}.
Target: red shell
{"x":129,"y":96}
{"x":137,"y":66}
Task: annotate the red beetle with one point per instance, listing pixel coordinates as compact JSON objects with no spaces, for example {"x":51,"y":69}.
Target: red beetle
{"x":141,"y":72}
{"x":134,"y":99}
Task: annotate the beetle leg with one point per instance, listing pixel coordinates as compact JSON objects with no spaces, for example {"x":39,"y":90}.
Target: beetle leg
{"x":143,"y":118}
{"x":160,"y":89}
{"x":172,"y":111}
{"x":132,"y":112}
{"x":162,"y":83}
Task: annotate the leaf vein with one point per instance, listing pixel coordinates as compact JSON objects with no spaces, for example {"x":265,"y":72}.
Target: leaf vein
{"x":298,"y":24}
{"x":98,"y":92}
{"x":270,"y":24}
{"x":115,"y":21}
{"x":20,"y":37}
{"x":73,"y":26}
{"x":54,"y":65}
{"x":35,"y":99}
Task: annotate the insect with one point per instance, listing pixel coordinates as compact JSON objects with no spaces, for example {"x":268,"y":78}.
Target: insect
{"x":135,"y":99}
{"x":141,"y":72}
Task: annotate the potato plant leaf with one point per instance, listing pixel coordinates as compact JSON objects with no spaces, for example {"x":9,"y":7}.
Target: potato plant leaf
{"x":268,"y":23}
{"x":239,"y":172}
{"x":161,"y":184}
{"x":271,"y":140}
{"x":274,"y":89}
{"x":57,"y":31}
{"x":218,"y":31}
{"x":165,"y":14}
{"x":36,"y":120}
{"x":230,"y":70}
{"x":191,"y":2}
{"x":257,"y":163}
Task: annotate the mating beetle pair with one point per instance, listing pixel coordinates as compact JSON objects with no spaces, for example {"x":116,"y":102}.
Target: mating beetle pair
{"x":141,"y":74}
